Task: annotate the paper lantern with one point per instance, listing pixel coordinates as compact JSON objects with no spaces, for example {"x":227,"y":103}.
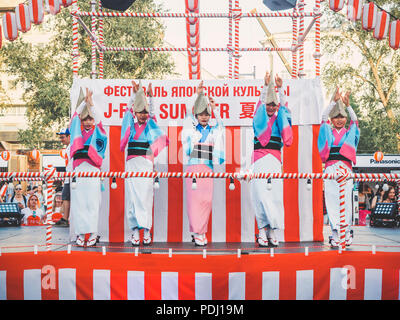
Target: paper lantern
{"x":36,"y":11}
{"x":34,"y":154}
{"x":10,"y":26}
{"x":382,"y":25}
{"x":394,"y":34}
{"x":192,"y":4}
{"x":53,"y":6}
{"x":23,"y":17}
{"x":336,"y":5}
{"x":354,"y":9}
{"x":66,"y":3}
{"x":369,"y":13}
{"x":378,"y":156}
{"x":5,"y":155}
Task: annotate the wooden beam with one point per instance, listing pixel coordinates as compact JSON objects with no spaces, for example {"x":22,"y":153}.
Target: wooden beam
{"x":271,"y":39}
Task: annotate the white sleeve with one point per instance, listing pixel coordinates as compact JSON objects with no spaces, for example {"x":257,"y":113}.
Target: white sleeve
{"x":263,"y":94}
{"x":327,"y":111}
{"x":80,"y":108}
{"x":282,"y":97}
{"x":131,"y":100}
{"x":217,"y":114}
{"x":151,"y":106}
{"x":352,"y":114}
{"x":95,"y":115}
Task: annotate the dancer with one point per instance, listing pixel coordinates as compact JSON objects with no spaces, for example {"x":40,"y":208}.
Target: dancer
{"x":203,"y":146}
{"x":272,"y":129}
{"x":88,"y":145}
{"x":144,"y":141}
{"x":337,"y":147}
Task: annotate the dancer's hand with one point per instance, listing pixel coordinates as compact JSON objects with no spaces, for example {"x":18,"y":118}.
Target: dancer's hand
{"x":346,"y":98}
{"x":89,"y":98}
{"x":266,"y":78}
{"x":212,"y":103}
{"x":278,"y":81}
{"x":150,"y":90}
{"x":135,"y":86}
{"x":200,"y":88}
{"x":337,"y":96}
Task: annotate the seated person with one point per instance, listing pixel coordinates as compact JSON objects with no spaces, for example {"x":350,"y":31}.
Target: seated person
{"x":33,"y":215}
{"x":57,"y":207}
{"x":19,"y":197}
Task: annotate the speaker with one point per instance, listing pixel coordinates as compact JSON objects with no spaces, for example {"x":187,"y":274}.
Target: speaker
{"x":119,"y":5}
{"x":277,"y":5}
{"x":10,"y":215}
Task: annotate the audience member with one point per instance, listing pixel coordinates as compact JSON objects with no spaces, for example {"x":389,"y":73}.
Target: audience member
{"x":57,"y":207}
{"x":377,"y":198}
{"x":33,"y":215}
{"x":363,"y":199}
{"x":390,"y":195}
{"x":19,"y":197}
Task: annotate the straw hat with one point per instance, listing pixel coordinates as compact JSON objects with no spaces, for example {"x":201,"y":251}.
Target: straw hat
{"x":201,"y":104}
{"x":140,"y":103}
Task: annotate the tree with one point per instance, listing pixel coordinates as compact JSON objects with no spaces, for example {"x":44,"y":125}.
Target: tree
{"x":371,"y":70}
{"x":45,"y":71}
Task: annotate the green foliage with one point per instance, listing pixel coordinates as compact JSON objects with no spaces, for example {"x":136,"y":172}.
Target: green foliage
{"x":368,"y":67}
{"x":45,"y":71}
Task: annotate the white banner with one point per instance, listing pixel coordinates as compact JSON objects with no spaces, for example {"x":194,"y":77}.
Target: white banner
{"x":237,"y":99}
{"x":364,"y":161}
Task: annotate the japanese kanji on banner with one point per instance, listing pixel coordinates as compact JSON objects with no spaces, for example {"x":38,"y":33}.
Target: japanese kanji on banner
{"x":232,"y":217}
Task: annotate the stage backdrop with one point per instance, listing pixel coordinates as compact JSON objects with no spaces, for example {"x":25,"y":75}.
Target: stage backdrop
{"x":232,"y":218}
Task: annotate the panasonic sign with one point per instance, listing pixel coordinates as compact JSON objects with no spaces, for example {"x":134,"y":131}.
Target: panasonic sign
{"x":369,"y":161}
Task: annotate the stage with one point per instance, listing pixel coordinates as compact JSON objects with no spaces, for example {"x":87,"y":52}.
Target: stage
{"x":22,"y":239}
{"x":172,"y":271}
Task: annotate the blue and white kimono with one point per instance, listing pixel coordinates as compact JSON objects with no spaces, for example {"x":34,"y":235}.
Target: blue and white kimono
{"x":202,"y":147}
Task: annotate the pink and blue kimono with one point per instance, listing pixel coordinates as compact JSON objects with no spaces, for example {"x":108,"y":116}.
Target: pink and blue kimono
{"x":203,"y":147}
{"x":142,"y":143}
{"x":87,"y":153}
{"x":334,"y":145}
{"x":270,"y":135}
{"x":87,"y":146}
{"x":337,"y":149}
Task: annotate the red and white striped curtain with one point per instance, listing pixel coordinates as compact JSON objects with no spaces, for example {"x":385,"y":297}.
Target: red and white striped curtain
{"x":89,"y":275}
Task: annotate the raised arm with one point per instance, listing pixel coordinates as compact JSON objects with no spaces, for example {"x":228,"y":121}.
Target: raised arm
{"x":327,"y":111}
{"x":264,"y":90}
{"x":90,"y":104}
{"x":346,"y":101}
{"x":151,"y":102}
{"x":216,"y":112}
{"x":282,"y":96}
